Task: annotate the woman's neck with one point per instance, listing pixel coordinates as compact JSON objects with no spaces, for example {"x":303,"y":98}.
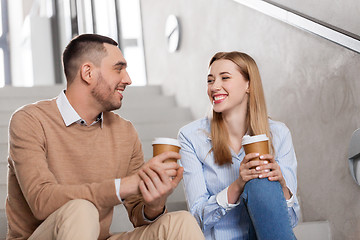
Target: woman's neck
{"x":236,"y":125}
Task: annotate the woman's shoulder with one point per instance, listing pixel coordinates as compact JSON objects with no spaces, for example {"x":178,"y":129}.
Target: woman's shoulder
{"x":278,"y":129}
{"x":193,"y":127}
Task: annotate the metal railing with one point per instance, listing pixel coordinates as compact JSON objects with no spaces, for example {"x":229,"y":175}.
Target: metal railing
{"x":339,"y":36}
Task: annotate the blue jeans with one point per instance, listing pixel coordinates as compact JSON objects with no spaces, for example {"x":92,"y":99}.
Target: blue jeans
{"x":267,"y":210}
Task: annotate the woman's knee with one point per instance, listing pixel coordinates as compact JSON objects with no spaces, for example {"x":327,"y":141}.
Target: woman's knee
{"x":260,"y":188}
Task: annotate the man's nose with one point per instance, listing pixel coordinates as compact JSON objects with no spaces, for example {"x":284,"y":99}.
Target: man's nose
{"x":126,"y":80}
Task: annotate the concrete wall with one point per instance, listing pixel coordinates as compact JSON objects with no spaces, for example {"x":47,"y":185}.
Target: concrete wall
{"x":343,"y":14}
{"x":310,"y":84}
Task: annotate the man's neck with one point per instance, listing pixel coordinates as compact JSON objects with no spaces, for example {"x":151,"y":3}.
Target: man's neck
{"x":82,"y":103}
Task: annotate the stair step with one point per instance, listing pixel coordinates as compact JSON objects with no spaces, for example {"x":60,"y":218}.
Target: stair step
{"x":5,"y":117}
{"x":3,"y":173}
{"x":3,"y":194}
{"x":148,"y":132}
{"x":120,"y":222}
{"x":39,"y":92}
{"x":156,"y":115}
{"x":3,"y":134}
{"x":129,"y":102}
{"x":44,"y":92}
{"x":3,"y":152}
{"x":3,"y":224}
{"x":135,"y":115}
{"x":178,"y":195}
{"x":313,"y":231}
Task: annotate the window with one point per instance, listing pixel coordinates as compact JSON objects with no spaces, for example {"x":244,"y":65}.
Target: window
{"x":131,"y":41}
{"x":118,"y":19}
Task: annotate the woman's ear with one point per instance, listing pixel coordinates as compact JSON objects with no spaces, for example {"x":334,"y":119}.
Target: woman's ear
{"x":86,"y":72}
{"x":248,"y":87}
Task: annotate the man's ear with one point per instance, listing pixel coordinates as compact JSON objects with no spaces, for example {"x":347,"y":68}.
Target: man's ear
{"x":86,"y":72}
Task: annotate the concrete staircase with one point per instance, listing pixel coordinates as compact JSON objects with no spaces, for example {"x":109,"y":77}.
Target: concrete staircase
{"x":153,"y":115}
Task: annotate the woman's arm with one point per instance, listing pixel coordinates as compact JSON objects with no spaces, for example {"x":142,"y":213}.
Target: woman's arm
{"x":283,"y":169}
{"x":202,"y":204}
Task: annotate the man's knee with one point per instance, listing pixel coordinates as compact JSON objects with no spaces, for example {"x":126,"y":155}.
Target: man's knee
{"x":184,"y":225}
{"x":184,"y":216}
{"x":178,"y":225}
{"x":80,"y":210}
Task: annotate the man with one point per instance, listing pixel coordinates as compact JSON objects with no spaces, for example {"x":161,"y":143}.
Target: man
{"x":71,"y":160}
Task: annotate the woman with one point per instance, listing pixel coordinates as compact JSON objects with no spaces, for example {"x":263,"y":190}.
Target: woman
{"x":231,"y":196}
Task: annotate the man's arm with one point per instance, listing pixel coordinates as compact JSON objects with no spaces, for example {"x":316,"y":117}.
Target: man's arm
{"x":39,"y":186}
{"x":138,"y":204}
{"x":158,"y":181}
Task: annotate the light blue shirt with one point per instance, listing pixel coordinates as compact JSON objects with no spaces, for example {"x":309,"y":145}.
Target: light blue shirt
{"x":206,"y":183}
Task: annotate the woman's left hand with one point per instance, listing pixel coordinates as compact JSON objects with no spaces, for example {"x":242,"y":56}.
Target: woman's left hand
{"x":271,"y":170}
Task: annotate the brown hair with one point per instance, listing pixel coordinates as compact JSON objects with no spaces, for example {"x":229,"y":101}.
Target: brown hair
{"x":90,"y":46}
{"x":256,"y":117}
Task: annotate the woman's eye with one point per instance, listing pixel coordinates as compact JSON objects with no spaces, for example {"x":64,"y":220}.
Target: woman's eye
{"x":210,"y":81}
{"x":224,"y":78}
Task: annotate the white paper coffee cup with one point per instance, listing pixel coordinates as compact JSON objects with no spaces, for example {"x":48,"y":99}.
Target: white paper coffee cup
{"x":161,"y":145}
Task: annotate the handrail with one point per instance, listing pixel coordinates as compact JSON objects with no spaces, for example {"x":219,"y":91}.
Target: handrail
{"x":339,"y":36}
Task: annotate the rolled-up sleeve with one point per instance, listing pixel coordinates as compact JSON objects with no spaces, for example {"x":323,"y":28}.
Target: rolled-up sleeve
{"x":286,"y":158}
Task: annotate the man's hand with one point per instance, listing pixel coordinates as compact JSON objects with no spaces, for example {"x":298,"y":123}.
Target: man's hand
{"x":157,"y":181}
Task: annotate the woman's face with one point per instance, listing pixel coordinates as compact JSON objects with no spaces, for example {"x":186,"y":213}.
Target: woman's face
{"x":227,"y":88}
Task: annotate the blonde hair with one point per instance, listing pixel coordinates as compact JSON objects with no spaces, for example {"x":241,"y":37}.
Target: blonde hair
{"x":256,"y":117}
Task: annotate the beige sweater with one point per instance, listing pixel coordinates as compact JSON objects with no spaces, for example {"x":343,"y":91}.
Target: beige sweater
{"x":50,"y":164}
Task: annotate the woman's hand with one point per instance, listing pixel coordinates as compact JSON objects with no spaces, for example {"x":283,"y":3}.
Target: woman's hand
{"x":251,"y":169}
{"x":273,"y":172}
{"x":247,"y":172}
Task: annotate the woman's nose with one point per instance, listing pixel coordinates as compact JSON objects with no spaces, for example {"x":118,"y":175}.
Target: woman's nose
{"x":216,"y":86}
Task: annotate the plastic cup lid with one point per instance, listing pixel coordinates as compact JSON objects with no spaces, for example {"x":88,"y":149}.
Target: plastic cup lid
{"x":247,"y":139}
{"x":169,"y":141}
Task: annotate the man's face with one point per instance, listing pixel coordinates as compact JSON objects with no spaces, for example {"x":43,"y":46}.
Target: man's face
{"x":112,"y":79}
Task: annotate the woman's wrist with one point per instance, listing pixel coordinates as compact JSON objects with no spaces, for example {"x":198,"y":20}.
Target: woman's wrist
{"x":287,"y":193}
{"x":234,"y":191}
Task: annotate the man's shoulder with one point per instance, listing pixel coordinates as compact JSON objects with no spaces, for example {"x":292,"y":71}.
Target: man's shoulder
{"x":111,"y":118}
{"x":37,"y":108}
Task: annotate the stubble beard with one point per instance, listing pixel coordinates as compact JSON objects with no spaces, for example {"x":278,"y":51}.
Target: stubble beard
{"x":103,"y":94}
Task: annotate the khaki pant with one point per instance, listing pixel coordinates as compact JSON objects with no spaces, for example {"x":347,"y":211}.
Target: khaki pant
{"x":65,"y":224}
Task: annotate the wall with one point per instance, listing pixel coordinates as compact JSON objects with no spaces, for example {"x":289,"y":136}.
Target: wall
{"x":311,"y":84}
{"x":343,"y":14}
